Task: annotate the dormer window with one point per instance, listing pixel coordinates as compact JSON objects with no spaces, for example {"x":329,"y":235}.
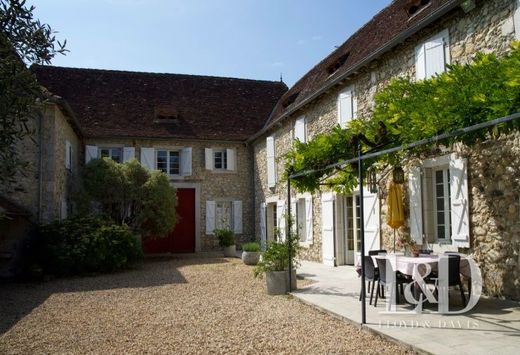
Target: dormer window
{"x":287,"y":102}
{"x":338,"y":63}
{"x":166,"y":114}
{"x":417,"y":6}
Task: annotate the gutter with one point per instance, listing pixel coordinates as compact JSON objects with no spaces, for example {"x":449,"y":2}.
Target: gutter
{"x":385,"y":48}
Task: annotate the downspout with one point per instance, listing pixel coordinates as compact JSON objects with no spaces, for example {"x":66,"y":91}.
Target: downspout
{"x":40,"y":166}
{"x":251,"y":152}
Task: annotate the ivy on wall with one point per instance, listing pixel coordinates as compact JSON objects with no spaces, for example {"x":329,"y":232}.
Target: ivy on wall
{"x":407,"y":111}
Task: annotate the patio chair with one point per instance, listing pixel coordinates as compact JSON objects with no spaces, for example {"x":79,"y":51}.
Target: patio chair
{"x":377,"y":252}
{"x":469,"y":280}
{"x":383,"y":279}
{"x":371,"y":275}
{"x":453,"y":275}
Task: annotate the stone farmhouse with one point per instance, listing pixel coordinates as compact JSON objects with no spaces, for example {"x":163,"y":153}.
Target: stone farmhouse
{"x":222,"y":142}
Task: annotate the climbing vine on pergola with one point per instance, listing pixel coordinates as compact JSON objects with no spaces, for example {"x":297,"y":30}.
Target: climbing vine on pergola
{"x":407,"y":111}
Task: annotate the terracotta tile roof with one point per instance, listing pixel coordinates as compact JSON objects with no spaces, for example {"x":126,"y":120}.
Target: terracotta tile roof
{"x":382,"y":29}
{"x":131,"y":104}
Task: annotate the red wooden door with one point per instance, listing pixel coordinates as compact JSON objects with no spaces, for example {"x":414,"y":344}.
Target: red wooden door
{"x":182,"y":238}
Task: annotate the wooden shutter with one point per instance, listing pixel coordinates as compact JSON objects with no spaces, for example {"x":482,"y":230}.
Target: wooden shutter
{"x":263,"y":225}
{"x":271,"y":162}
{"x":231,"y":161}
{"x":280,"y":218}
{"x":299,"y":129}
{"x":415,"y":194}
{"x":345,"y":107}
{"x":128,"y":153}
{"x":91,"y":152}
{"x":308,"y":219}
{"x":459,"y":203}
{"x":371,"y":220}
{"x":186,"y":158}
{"x":420,"y":63}
{"x":294,"y":216}
{"x":516,"y":18}
{"x":68,"y":155}
{"x":327,"y":228}
{"x":208,"y":154}
{"x":148,"y":158}
{"x":435,"y":58}
{"x":237,"y":217}
{"x":210,"y":217}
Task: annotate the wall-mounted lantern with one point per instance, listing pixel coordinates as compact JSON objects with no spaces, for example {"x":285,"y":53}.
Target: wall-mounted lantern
{"x":398,"y":175}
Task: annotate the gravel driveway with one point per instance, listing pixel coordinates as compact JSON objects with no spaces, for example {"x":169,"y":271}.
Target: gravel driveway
{"x":187,"y":305}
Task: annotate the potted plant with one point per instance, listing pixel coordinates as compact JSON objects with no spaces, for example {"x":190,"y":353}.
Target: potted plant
{"x":226,"y":240}
{"x":275,"y":265}
{"x":251,"y":253}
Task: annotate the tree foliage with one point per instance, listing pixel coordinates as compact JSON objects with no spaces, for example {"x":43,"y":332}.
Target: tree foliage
{"x":407,"y":111}
{"x":129,"y":194}
{"x":23,"y":41}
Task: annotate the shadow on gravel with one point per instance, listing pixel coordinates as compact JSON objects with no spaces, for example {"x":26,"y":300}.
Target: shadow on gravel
{"x":19,"y":299}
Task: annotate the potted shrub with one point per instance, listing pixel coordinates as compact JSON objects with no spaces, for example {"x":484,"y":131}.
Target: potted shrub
{"x":275,"y":265}
{"x":226,"y":240}
{"x":251,"y":253}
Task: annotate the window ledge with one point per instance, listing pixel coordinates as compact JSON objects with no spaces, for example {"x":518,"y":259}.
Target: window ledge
{"x":306,"y":244}
{"x":223,"y":171}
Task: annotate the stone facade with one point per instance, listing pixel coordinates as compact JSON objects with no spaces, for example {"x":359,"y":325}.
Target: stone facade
{"x":488,"y":27}
{"x":211,"y":185}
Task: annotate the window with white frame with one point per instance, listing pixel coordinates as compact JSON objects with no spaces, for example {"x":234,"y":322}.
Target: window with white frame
{"x":68,"y":156}
{"x":113,"y":153}
{"x":220,"y":159}
{"x":300,"y":130}
{"x":347,"y":106}
{"x":303,"y":218}
{"x":224,"y":214}
{"x":168,"y":161}
{"x":439,"y":209}
{"x":432,"y":56}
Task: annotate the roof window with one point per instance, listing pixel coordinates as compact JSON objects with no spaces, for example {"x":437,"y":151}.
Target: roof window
{"x":417,"y":6}
{"x":338,"y":63}
{"x":289,"y":100}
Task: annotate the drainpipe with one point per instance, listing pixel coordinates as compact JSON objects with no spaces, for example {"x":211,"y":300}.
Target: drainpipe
{"x":40,"y":166}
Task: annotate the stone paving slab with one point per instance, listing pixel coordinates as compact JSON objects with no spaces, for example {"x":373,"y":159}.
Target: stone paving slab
{"x":493,"y":326}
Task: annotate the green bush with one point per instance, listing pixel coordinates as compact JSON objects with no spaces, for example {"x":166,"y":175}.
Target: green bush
{"x":226,"y":238}
{"x":251,"y":247}
{"x":83,"y":245}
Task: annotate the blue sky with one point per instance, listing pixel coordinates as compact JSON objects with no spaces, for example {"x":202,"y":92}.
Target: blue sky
{"x":256,"y":39}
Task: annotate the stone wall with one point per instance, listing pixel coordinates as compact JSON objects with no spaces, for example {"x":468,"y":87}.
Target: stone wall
{"x":488,"y":27}
{"x":213,"y":185}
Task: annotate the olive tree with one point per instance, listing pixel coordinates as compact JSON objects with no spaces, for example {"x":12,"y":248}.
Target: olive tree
{"x":24,"y":41}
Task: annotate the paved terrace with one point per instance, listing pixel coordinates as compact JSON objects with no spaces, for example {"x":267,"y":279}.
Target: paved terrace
{"x":493,"y":326}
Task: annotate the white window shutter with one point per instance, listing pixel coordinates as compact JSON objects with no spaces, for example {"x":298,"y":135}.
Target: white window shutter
{"x":435,"y":56}
{"x":210,"y":217}
{"x":128,"y":153}
{"x":68,"y":157}
{"x":516,"y":18}
{"x":345,"y":107}
{"x":237,"y":217}
{"x":415,"y":194}
{"x":148,"y":158}
{"x":271,"y":162}
{"x":420,"y":63}
{"x":459,"y":203}
{"x":208,"y":154}
{"x":327,"y":228}
{"x":371,"y":219}
{"x":308,"y":219}
{"x":299,"y":130}
{"x":91,"y":152}
{"x":294,"y":216}
{"x":186,"y":158}
{"x":280,"y":218}
{"x":263,"y":225}
{"x":231,"y":161}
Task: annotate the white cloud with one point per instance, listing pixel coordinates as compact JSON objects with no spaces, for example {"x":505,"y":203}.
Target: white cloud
{"x":277,"y":64}
{"x":317,"y":38}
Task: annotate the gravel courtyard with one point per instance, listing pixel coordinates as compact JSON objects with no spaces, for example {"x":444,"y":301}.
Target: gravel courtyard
{"x":187,"y":305}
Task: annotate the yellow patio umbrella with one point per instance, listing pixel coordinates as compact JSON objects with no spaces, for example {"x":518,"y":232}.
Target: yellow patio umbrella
{"x":395,"y":216}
